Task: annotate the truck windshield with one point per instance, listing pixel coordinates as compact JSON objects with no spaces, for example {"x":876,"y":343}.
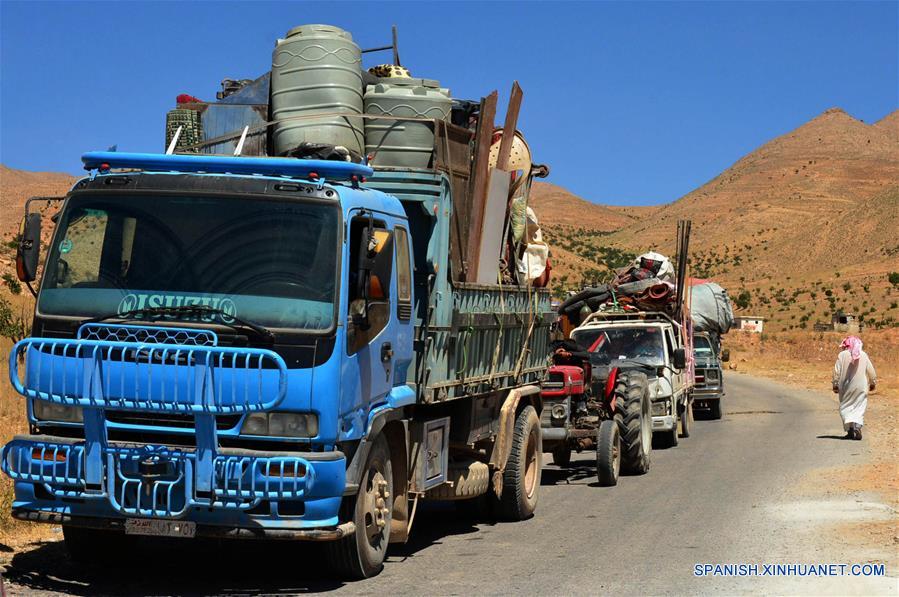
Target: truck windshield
{"x":702,"y":348}
{"x":611,"y":346}
{"x":273,"y":262}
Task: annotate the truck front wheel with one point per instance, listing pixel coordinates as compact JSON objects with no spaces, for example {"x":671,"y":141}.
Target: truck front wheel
{"x":96,"y":546}
{"x":635,"y":425}
{"x":361,"y":555}
{"x":521,"y":477}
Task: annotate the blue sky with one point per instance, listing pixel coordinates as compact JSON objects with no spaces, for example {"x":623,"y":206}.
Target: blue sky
{"x":629,"y":103}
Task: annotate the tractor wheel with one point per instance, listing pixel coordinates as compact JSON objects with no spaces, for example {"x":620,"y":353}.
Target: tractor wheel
{"x":608,"y":453}
{"x":635,"y":424}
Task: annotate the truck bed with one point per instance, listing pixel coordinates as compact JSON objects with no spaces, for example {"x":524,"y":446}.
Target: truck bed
{"x":470,"y":339}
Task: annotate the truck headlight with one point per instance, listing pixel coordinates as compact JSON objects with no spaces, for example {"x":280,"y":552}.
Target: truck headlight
{"x":281,"y":424}
{"x":48,"y":411}
{"x":711,"y":375}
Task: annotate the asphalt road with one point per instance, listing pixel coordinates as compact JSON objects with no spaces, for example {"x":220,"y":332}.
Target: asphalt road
{"x":725,"y":495}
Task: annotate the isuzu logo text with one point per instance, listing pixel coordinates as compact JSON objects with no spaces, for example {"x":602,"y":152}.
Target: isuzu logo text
{"x":137,"y":301}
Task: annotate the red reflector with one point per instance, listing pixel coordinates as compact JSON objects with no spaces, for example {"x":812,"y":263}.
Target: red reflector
{"x":51,"y":455}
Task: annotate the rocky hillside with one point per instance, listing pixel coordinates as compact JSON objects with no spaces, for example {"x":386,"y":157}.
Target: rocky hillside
{"x":16,"y":186}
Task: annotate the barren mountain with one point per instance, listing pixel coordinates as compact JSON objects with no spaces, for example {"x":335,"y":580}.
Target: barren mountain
{"x":806,"y":224}
{"x":16,"y":186}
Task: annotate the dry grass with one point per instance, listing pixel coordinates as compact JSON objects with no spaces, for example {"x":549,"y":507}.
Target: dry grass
{"x":12,"y":422}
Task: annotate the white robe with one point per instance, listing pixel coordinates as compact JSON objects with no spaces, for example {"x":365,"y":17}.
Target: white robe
{"x":852,"y":379}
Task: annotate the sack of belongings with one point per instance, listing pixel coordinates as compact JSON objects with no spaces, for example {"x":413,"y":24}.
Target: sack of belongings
{"x":648,"y":283}
{"x":656,"y":265}
{"x":710,"y":309}
{"x":591,"y":298}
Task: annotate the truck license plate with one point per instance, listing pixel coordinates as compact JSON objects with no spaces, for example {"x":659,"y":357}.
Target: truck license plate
{"x":160,"y":528}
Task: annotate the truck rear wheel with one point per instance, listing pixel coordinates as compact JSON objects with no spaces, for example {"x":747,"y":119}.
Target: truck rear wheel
{"x":716,"y":409}
{"x":635,"y":424}
{"x":686,"y":418}
{"x":361,"y":555}
{"x":521,"y":477}
{"x":608,"y":453}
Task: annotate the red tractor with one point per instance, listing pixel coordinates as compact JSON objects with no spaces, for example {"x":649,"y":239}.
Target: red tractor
{"x":589,"y":409}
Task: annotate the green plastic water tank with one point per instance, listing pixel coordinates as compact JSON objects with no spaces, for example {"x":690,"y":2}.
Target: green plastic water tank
{"x":316,"y":69}
{"x":404,"y":143}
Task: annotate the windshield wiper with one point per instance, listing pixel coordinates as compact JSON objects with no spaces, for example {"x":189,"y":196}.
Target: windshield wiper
{"x":190,"y":310}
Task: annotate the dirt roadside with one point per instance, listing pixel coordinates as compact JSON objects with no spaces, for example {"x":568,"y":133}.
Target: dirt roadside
{"x":805,"y":360}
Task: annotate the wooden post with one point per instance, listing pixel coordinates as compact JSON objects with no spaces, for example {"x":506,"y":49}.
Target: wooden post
{"x":509,"y":126}
{"x":479,"y":185}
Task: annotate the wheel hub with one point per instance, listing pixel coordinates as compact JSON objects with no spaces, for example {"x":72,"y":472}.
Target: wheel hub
{"x":380,"y":494}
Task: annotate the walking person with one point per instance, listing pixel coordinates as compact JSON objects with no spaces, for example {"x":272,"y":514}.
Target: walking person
{"x":853,"y":378}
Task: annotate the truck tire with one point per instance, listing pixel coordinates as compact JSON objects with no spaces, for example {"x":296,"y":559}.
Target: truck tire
{"x":635,"y":424}
{"x":521,"y":477}
{"x":97,"y":546}
{"x":668,"y":439}
{"x":361,"y":555}
{"x":686,"y":419}
{"x":470,"y":479}
{"x":716,"y":409}
{"x":608,"y":453}
{"x":562,"y":455}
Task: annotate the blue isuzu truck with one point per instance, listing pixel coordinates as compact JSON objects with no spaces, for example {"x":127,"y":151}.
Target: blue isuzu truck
{"x":271,"y":348}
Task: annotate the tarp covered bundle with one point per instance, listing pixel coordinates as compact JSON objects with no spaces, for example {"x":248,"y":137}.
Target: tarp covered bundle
{"x":710,"y":309}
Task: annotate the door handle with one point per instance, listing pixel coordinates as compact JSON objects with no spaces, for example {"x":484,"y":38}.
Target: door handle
{"x":386,"y":352}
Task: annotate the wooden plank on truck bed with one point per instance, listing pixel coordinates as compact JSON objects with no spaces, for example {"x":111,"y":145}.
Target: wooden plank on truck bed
{"x":509,"y":127}
{"x":479,"y":182}
{"x":453,"y":155}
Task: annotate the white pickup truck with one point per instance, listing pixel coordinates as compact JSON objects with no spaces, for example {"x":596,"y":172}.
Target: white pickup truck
{"x":652,"y":343}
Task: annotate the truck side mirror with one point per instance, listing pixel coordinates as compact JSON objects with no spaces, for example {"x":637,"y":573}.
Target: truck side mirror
{"x":28,"y":251}
{"x":376,"y":263}
{"x":374,"y":267}
{"x":680,"y":358}
{"x":725,"y":355}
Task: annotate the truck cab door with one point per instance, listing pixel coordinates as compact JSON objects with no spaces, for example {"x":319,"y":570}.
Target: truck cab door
{"x":677,"y":375}
{"x":371,"y":319}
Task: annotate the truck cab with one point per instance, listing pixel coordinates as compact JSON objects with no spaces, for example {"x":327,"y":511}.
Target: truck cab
{"x":708,"y":390}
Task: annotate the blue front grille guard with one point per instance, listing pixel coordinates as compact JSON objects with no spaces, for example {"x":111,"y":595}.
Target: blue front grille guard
{"x":152,"y":377}
{"x":148,"y":377}
{"x":239,"y":482}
